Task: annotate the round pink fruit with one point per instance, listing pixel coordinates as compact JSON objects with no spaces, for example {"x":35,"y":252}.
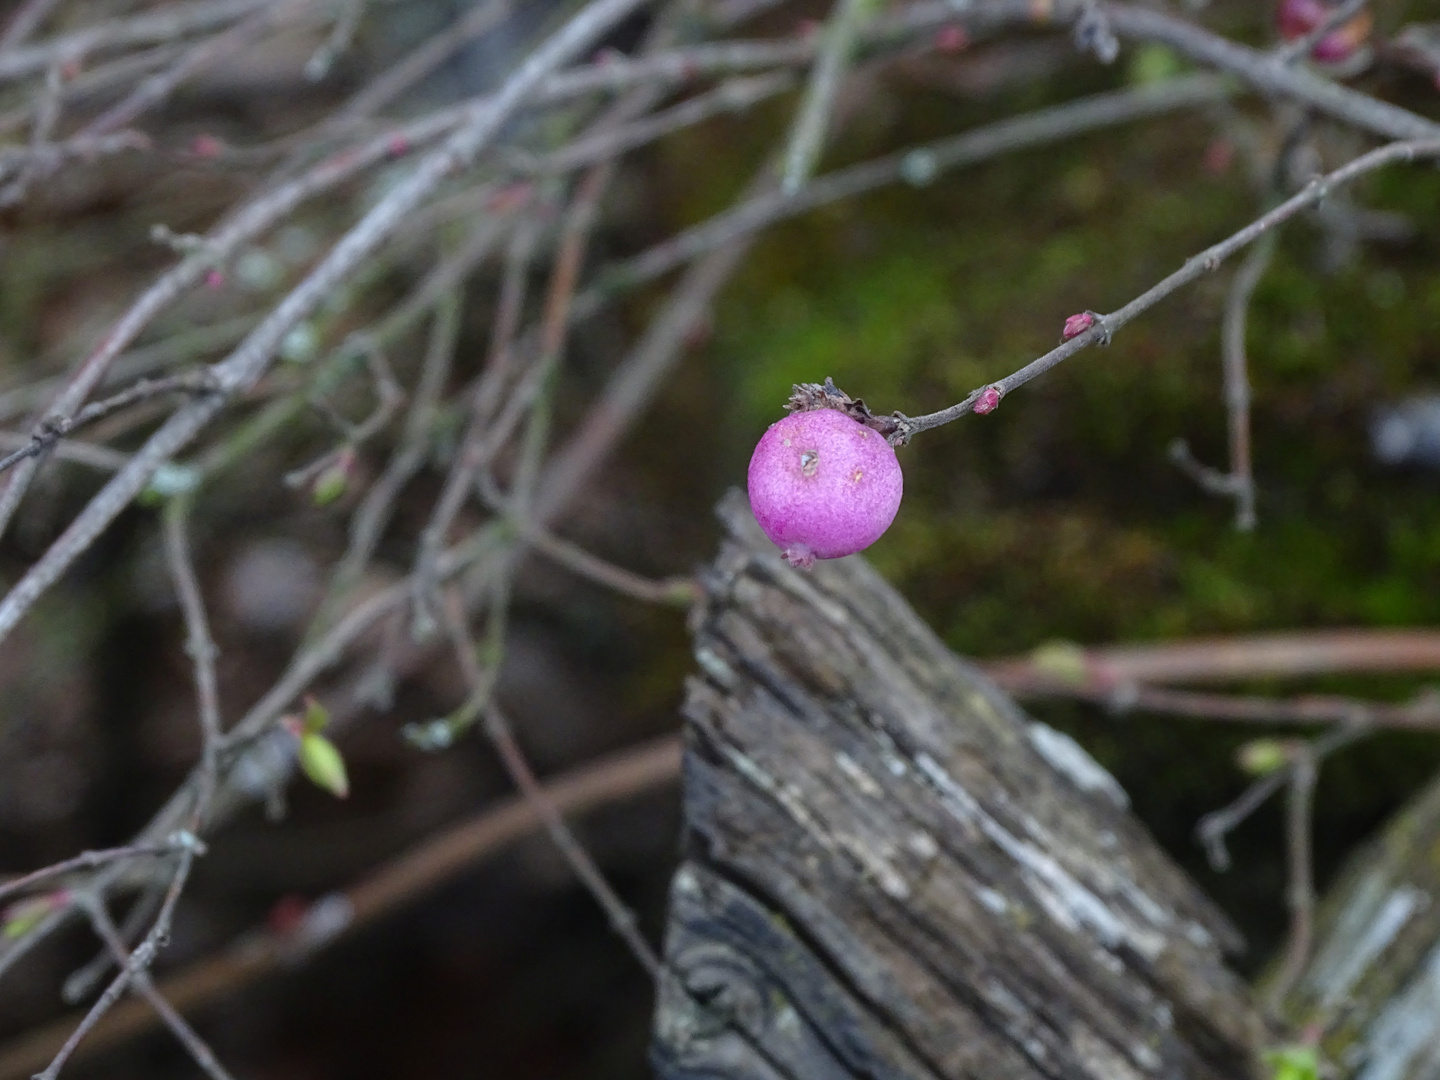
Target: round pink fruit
{"x":823,"y":485}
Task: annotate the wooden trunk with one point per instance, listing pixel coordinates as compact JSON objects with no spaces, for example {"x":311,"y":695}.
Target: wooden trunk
{"x":1373,"y":984}
{"x":891,"y":871}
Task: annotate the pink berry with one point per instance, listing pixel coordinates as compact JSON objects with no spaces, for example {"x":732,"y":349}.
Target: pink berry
{"x":823,"y":486}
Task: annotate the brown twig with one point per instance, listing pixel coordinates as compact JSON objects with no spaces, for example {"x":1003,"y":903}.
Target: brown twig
{"x":195,"y":1046}
{"x":622,"y":919}
{"x":52,"y":431}
{"x":1300,"y":889}
{"x":1196,"y":267}
{"x":392,"y":886}
{"x":1212,"y":829}
{"x":1292,"y":655}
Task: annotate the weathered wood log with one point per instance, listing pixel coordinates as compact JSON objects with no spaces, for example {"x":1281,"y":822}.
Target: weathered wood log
{"x":1372,"y":988}
{"x":891,"y":871}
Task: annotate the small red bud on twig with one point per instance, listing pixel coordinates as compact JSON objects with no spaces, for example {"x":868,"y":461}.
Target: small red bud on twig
{"x":951,"y":39}
{"x":1076,"y":325}
{"x":987,"y":402}
{"x":1219,"y":156}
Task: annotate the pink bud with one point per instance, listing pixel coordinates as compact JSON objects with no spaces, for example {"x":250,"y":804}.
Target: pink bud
{"x":1219,"y":156}
{"x":823,"y":485}
{"x":807,"y":28}
{"x":1296,"y":18}
{"x":214,"y":279}
{"x":399,"y":145}
{"x":206,"y":147}
{"x":988,"y":401}
{"x":287,"y":914}
{"x":1076,"y":325}
{"x":951,"y":38}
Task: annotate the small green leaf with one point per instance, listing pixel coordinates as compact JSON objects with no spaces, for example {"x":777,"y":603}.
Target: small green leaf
{"x":321,"y":762}
{"x":1153,"y":64}
{"x":315,"y":718}
{"x":1294,"y":1063}
{"x":22,"y":917}
{"x":1261,"y":756}
{"x":330,"y":485}
{"x":1062,"y":660}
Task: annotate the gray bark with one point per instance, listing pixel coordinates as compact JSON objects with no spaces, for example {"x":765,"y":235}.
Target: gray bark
{"x":891,"y":871}
{"x":1373,"y":984}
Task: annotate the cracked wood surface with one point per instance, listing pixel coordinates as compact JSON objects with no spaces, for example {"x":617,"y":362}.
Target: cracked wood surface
{"x":891,"y":871}
{"x":1373,"y":983}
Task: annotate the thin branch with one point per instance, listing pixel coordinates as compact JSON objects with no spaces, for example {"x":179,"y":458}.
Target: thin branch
{"x":919,"y":165}
{"x":86,"y":860}
{"x":243,"y":368}
{"x":1335,"y":18}
{"x":382,"y":891}
{"x":199,"y":643}
{"x":812,"y":118}
{"x":149,"y":28}
{"x":1241,"y":658}
{"x":52,"y":431}
{"x":622,"y":919}
{"x":1207,"y":261}
{"x":26,"y":21}
{"x":195,"y":1046}
{"x":1212,"y":829}
{"x":672,"y":592}
{"x":1237,"y":378}
{"x":425,"y":59}
{"x":1300,"y":889}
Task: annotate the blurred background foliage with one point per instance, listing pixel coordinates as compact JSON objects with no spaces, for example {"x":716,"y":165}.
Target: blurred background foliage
{"x":1058,"y":517}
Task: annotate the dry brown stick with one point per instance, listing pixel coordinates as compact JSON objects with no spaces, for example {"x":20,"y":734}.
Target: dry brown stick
{"x":388,"y":888}
{"x":483,"y":432}
{"x":1289,"y":655}
{"x":1422,"y":714}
